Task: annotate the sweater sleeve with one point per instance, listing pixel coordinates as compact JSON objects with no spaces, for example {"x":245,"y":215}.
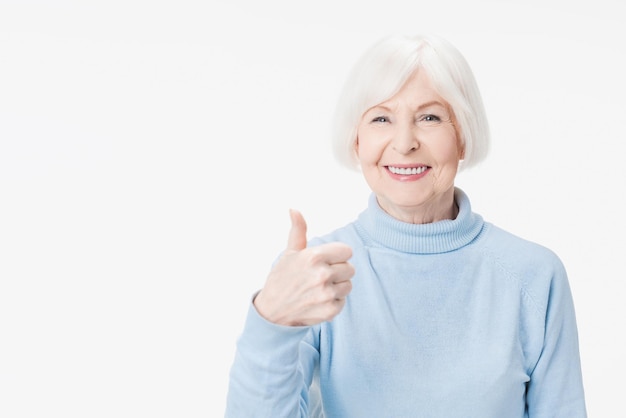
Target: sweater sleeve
{"x":272,"y":370}
{"x":555,"y":389}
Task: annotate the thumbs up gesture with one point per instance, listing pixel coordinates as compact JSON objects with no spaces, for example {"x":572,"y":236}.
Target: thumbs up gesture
{"x":306,"y":285}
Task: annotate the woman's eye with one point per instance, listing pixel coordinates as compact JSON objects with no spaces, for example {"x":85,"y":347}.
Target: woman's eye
{"x":430,"y":119}
{"x":381,"y":119}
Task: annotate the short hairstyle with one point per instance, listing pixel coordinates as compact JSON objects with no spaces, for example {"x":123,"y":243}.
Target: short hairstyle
{"x":382,"y":71}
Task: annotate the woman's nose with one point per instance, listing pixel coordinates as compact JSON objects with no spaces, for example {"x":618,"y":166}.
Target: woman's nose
{"x":405,"y":139}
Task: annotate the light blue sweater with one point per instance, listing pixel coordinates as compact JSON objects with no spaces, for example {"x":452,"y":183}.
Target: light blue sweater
{"x":456,"y":318}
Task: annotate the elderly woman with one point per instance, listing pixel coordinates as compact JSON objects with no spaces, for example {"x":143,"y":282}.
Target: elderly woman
{"x":418,"y":308}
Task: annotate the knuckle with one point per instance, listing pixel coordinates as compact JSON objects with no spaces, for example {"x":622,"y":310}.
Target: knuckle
{"x":351,"y":269}
{"x":315,"y":255}
{"x":323,"y":274}
{"x":343,"y":289}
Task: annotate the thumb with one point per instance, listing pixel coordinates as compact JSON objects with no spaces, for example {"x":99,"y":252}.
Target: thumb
{"x":297,"y":234}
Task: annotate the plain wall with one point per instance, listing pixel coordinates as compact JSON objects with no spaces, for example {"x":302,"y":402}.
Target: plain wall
{"x":150,"y":151}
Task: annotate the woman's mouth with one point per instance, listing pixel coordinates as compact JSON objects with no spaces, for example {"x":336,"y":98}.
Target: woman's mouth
{"x":407,"y":171}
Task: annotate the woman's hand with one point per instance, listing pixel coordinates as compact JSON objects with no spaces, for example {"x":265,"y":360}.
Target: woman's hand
{"x":307,"y":285}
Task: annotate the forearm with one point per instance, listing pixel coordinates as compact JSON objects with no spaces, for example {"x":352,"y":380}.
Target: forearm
{"x":267,"y":378}
{"x":556,"y":387}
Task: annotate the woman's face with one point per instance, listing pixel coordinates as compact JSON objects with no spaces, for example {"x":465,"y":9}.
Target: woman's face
{"x":409,"y":153}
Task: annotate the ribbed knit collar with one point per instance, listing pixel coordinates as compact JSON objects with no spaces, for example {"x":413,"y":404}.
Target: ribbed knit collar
{"x":437,"y":237}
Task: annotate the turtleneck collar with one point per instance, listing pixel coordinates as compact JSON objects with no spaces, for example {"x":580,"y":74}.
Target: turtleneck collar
{"x":438,"y":237}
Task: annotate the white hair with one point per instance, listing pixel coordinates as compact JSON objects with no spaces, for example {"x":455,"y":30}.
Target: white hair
{"x":385,"y":67}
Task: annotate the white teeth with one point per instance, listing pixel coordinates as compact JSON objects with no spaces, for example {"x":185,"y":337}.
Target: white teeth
{"x":407,"y":171}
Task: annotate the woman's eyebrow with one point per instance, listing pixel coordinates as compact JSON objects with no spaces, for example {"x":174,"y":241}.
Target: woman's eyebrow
{"x":379,"y":107}
{"x":432,"y":103}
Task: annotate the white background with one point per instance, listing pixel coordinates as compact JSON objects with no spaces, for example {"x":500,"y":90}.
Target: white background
{"x":150,"y":151}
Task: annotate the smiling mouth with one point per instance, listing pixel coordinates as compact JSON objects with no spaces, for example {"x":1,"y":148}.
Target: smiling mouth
{"x":407,"y":171}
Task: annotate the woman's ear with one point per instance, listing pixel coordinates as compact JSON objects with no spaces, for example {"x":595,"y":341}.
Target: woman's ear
{"x":461,"y":149}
